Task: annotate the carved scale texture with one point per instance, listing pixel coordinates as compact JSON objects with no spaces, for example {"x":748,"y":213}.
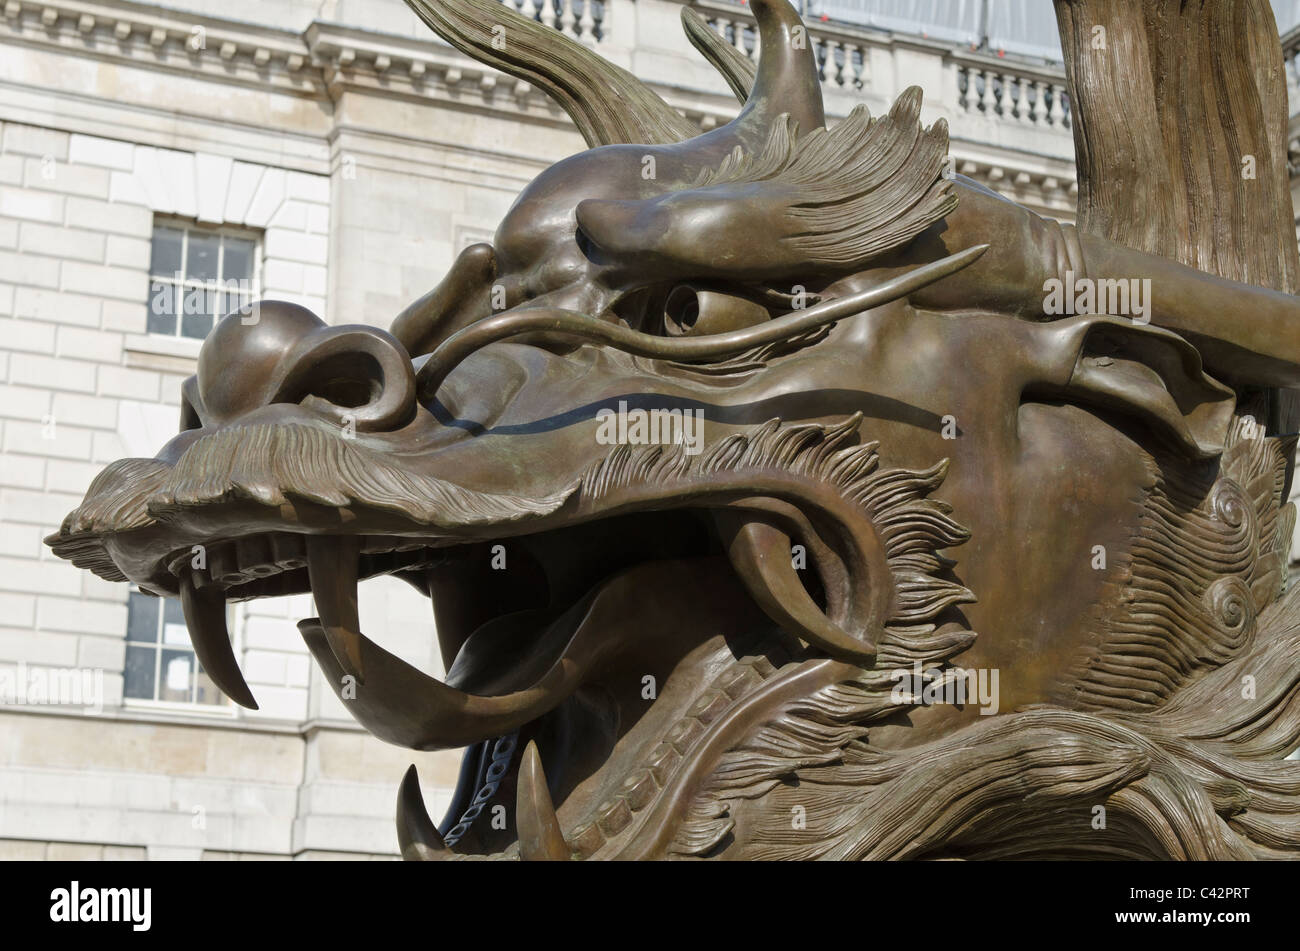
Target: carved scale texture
{"x":1209,"y":555}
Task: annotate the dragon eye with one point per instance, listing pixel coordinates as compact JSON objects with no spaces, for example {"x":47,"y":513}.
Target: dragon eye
{"x":681,"y":311}
{"x":692,"y":310}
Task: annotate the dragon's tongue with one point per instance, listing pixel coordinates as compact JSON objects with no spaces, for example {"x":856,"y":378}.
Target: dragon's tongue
{"x":205,"y":616}
{"x":332,"y":567}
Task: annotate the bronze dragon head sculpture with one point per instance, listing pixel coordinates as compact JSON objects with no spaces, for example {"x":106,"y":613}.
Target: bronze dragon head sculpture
{"x":766,"y":507}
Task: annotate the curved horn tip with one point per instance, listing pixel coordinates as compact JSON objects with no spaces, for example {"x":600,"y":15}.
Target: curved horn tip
{"x":781,"y":10}
{"x":786,"y":80}
{"x":779,"y":25}
{"x":692,"y":16}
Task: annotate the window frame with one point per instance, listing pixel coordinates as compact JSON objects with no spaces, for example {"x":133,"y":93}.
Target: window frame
{"x":185,"y":285}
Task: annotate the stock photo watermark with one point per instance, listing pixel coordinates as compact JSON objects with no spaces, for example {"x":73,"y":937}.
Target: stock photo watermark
{"x":77,"y":904}
{"x":953,"y":686}
{"x":653,"y":427}
{"x":1119,"y":297}
{"x":53,"y":686}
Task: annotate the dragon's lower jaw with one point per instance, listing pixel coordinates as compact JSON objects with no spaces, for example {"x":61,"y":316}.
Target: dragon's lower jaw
{"x":563,"y":709}
{"x":613,"y":770}
{"x":565,"y":722}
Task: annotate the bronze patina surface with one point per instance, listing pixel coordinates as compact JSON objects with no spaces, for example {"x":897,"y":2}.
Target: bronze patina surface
{"x":969,"y":539}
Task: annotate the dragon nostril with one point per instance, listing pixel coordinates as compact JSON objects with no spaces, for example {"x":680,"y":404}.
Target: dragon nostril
{"x":348,"y":393}
{"x":354,"y":374}
{"x":243,"y":359}
{"x":276,"y":352}
{"x":347,"y":380}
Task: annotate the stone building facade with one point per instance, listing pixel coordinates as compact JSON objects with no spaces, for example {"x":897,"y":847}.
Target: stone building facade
{"x":355,"y":154}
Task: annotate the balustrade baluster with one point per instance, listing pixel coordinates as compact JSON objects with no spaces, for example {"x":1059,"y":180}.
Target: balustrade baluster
{"x":738,"y":37}
{"x":826,"y":54}
{"x":1032,"y":94}
{"x":859,"y":73}
{"x":1055,"y":114}
{"x":837,"y":53}
{"x":587,"y":21}
{"x":987,"y":100}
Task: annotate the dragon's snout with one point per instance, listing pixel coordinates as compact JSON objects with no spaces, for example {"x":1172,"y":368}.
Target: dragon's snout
{"x":276,"y":352}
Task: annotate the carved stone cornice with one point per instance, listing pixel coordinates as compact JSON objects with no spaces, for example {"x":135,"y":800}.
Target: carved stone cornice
{"x":328,"y":59}
{"x":225,"y":50}
{"x":321,"y":62}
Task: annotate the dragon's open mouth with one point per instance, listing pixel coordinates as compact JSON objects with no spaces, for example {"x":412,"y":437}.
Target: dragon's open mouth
{"x":594,"y":634}
{"x":562,"y":650}
{"x":541,"y":662}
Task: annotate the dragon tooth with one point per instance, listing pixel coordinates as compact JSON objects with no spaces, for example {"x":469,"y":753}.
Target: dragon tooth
{"x":223,"y":566}
{"x":540,"y":838}
{"x":332,"y":569}
{"x":418,"y":838}
{"x":205,"y":616}
{"x":760,"y":553}
{"x":288,"y":550}
{"x":253,"y":555}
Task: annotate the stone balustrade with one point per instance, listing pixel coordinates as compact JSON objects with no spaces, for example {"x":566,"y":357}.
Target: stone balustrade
{"x":986,"y":86}
{"x":583,"y":19}
{"x":1012,"y":93}
{"x":843,"y":58}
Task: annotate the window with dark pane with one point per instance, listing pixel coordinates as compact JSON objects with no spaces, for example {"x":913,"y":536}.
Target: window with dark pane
{"x":160,"y":660}
{"x":197,"y":275}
